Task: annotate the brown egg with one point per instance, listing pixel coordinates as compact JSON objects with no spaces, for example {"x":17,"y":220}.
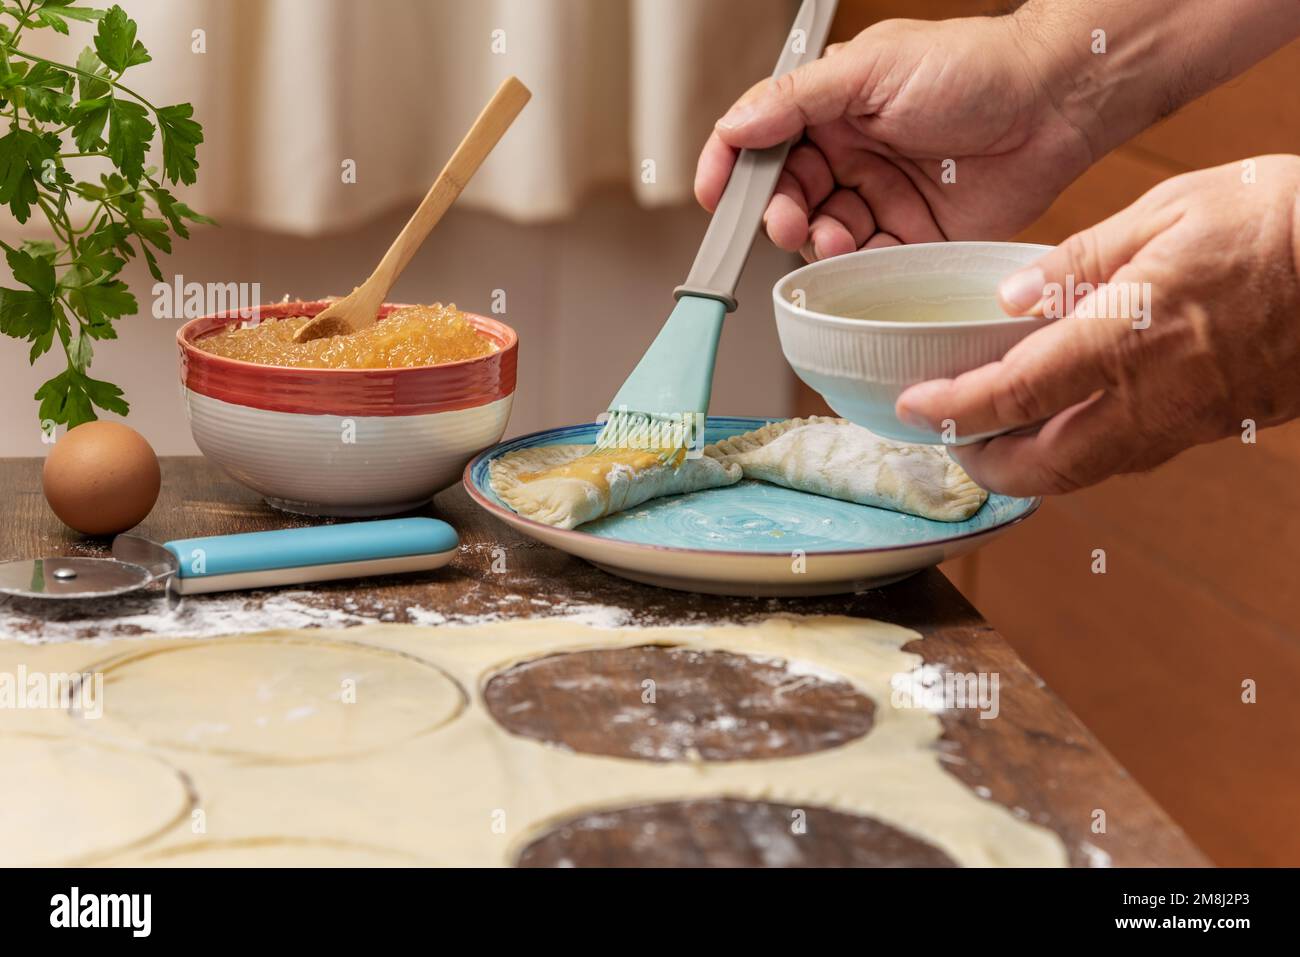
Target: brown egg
{"x":101,"y":478}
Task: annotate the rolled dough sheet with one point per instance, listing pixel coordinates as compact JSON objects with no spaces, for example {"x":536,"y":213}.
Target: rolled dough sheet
{"x":372,"y":745}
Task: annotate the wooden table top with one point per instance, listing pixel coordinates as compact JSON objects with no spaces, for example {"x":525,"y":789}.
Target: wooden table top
{"x":1036,"y":758}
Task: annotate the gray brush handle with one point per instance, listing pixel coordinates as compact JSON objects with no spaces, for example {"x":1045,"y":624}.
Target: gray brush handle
{"x":735,"y":222}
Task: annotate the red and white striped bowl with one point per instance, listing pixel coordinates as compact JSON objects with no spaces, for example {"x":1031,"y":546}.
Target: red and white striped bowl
{"x":347,"y":442}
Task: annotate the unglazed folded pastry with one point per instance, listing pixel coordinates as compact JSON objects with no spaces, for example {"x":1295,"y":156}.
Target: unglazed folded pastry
{"x":566,"y":485}
{"x":835,"y":458}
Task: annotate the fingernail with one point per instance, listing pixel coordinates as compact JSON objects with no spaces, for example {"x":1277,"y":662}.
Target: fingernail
{"x":736,"y":117}
{"x":1022,"y":290}
{"x":908,"y":417}
{"x":917,"y":395}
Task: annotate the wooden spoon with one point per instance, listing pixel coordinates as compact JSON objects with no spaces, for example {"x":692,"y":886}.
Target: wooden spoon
{"x":360,"y":308}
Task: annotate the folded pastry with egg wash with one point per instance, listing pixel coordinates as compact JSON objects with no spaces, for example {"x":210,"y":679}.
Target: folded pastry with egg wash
{"x":567,"y":485}
{"x":837,"y":459}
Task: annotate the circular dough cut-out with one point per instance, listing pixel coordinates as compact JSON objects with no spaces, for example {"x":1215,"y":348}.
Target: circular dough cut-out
{"x":278,"y":852}
{"x":667,"y":703}
{"x":285,"y":699}
{"x":726,"y":832}
{"x":72,"y":801}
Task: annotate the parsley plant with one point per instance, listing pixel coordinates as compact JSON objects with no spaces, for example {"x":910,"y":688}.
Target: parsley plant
{"x":56,"y":112}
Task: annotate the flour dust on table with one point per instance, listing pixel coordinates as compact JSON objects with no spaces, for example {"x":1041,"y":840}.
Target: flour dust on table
{"x":242,"y":613}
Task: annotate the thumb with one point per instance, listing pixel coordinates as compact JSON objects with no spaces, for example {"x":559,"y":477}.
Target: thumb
{"x":1091,"y":256}
{"x":780,"y":108}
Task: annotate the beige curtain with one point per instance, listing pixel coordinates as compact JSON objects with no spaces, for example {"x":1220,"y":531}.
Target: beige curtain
{"x":289,"y":91}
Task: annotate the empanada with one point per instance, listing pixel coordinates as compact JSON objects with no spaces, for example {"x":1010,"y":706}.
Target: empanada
{"x":835,"y":458}
{"x":566,"y":485}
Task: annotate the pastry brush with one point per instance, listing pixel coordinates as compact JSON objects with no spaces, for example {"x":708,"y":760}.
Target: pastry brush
{"x":663,"y":403}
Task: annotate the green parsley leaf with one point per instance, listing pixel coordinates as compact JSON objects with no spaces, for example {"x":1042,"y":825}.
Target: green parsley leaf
{"x":80,"y":352}
{"x":176,"y":212}
{"x":23,"y":156}
{"x":64,"y":400}
{"x":41,"y":248}
{"x":70,"y":396}
{"x":66,"y":10}
{"x":100,"y":302}
{"x":180,"y":139}
{"x":97,"y":264}
{"x":88,"y":119}
{"x":115,"y":41}
{"x":88,"y":62}
{"x":25,"y":314}
{"x":49,"y":105}
{"x":105,"y":395}
{"x":41,"y":345}
{"x":129,"y":135}
{"x":32,"y":271}
{"x":42,"y":93}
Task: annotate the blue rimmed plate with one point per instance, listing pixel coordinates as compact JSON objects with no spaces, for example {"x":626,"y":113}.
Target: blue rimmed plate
{"x":750,"y":538}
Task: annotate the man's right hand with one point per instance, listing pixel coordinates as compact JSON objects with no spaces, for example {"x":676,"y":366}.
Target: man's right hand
{"x":915,"y":131}
{"x":1020,"y":105}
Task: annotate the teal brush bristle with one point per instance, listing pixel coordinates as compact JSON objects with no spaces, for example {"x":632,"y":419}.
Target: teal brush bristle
{"x":642,"y":430}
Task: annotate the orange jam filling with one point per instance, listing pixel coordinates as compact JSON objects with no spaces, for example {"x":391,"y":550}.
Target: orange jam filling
{"x":415,"y":336}
{"x":597,"y":467}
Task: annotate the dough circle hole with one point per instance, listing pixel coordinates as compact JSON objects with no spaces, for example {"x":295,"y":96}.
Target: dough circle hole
{"x":281,"y":699}
{"x":726,"y":832}
{"x":76,"y":801}
{"x":672,"y":703}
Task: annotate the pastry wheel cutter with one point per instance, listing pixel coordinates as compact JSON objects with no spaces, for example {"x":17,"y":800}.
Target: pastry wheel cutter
{"x":192,"y":566}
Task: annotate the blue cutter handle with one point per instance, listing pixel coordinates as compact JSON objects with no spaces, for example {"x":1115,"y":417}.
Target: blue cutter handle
{"x":319,"y":545}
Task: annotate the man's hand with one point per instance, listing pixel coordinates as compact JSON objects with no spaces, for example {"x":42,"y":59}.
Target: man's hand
{"x":1219,"y":249}
{"x":913,"y":132}
{"x":1014,"y":107}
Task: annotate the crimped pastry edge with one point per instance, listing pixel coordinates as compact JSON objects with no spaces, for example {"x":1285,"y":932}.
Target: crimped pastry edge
{"x":503,"y":475}
{"x":749,"y":441}
{"x":967,"y":497}
{"x":504,"y":472}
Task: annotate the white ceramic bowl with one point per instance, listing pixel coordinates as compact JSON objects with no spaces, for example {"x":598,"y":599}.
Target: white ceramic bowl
{"x":345,"y":442}
{"x":861,"y":366}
